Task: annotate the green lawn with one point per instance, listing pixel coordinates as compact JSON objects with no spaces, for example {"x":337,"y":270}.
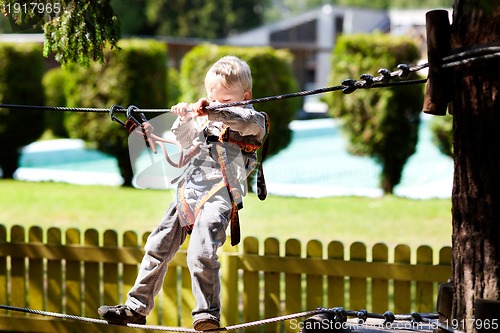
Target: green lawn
{"x":390,"y":220}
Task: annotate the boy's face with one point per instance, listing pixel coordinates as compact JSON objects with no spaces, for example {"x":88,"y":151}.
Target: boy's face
{"x":228,"y":95}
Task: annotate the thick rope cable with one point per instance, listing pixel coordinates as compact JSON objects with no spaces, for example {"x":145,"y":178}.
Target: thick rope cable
{"x":360,"y":84}
{"x":338,"y":314}
{"x":94,"y":320}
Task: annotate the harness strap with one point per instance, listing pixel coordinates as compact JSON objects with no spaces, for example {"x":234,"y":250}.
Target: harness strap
{"x":185,"y":213}
{"x":229,"y":180}
{"x":261,"y":181}
{"x":245,"y":147}
{"x":232,"y":184}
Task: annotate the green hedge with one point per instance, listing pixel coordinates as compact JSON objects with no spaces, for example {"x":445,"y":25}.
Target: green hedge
{"x":442,"y":134}
{"x":134,"y":75}
{"x":380,"y":123}
{"x":53,"y":85}
{"x":271,"y":73}
{"x":21,"y":71}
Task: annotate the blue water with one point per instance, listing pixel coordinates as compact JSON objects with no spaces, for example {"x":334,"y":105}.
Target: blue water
{"x":315,"y":164}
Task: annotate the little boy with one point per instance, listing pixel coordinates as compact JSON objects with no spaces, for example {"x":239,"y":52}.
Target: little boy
{"x":222,"y":144}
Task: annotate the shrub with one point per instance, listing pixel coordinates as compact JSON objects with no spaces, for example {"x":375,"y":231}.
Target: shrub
{"x":21,"y":71}
{"x":442,"y":134}
{"x":136,"y":75}
{"x":53,"y":85}
{"x":380,"y":123}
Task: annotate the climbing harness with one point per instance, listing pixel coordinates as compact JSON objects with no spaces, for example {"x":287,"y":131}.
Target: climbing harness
{"x":336,"y":315}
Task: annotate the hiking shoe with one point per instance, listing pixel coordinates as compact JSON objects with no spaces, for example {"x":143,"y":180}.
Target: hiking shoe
{"x":206,"y":324}
{"x":121,"y":315}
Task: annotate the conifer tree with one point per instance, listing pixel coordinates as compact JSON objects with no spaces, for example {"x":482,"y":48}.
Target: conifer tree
{"x":75,"y":31}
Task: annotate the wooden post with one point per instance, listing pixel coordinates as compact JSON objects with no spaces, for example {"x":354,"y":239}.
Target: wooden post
{"x":487,"y":315}
{"x":437,"y":89}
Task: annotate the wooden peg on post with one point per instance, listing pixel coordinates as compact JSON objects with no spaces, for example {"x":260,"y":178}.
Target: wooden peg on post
{"x":437,"y":88}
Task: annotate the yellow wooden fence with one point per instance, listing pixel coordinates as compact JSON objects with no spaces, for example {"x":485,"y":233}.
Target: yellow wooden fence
{"x":75,"y":272}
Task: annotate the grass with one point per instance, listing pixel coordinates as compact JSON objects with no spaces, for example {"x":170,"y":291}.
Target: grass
{"x":390,"y":220}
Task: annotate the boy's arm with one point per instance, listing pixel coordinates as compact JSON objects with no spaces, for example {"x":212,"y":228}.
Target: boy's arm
{"x":185,"y":128}
{"x":185,"y":132}
{"x":245,"y":121}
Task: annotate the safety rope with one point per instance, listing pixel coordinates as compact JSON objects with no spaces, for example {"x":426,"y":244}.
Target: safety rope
{"x":367,"y":81}
{"x":338,"y":314}
{"x":93,"y":320}
{"x":118,"y":109}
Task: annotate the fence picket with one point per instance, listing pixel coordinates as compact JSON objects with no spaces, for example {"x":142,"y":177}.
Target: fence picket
{"x":314,"y":282}
{"x":17,"y":270}
{"x":251,"y":285}
{"x":110,"y":275}
{"x":336,"y":284}
{"x":424,"y":290}
{"x":35,"y":287}
{"x":91,"y":278}
{"x":73,"y":279}
{"x":170,"y":313}
{"x":54,"y":274}
{"x":229,"y":279}
{"x":380,"y":287}
{"x":129,"y":270}
{"x":445,"y":256}
{"x":357,"y":285}
{"x":187,"y":298}
{"x":155,"y":315}
{"x":293,"y":296}
{"x":4,"y":293}
{"x":272,"y":299}
{"x":402,"y":289}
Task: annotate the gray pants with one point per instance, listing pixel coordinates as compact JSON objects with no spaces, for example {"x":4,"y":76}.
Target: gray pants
{"x":208,"y":234}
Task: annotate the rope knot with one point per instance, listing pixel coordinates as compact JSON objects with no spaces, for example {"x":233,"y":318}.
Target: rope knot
{"x":404,"y":70}
{"x":389,"y":318}
{"x":349,"y":86}
{"x":385,"y":74}
{"x":339,"y":315}
{"x":368,"y":80}
{"x":362,"y":316}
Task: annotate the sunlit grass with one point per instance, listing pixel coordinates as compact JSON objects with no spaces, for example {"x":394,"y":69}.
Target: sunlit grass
{"x":390,"y":220}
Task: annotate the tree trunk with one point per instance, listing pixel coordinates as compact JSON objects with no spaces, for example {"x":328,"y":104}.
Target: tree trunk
{"x":476,"y":191}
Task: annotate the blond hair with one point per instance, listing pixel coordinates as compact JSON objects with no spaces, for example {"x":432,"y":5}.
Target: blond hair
{"x":228,"y":72}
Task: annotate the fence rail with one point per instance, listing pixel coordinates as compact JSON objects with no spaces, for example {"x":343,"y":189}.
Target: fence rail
{"x":74,"y":273}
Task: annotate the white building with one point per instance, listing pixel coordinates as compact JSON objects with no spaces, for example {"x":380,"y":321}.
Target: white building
{"x":311,"y":37}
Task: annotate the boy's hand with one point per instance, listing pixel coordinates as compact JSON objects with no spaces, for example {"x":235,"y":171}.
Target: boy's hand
{"x":183,"y":110}
{"x":188,"y":111}
{"x":199,"y":107}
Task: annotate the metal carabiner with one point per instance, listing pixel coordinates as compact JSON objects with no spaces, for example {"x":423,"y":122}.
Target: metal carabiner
{"x":130,"y":109}
{"x":112,"y":111}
